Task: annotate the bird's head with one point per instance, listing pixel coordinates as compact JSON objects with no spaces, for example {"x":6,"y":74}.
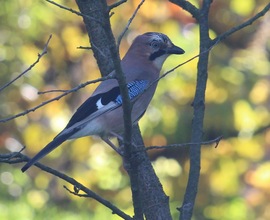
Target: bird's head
{"x":155,"y":47}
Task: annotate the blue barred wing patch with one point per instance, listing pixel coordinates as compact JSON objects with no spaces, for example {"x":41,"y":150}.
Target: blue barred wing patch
{"x":135,"y":88}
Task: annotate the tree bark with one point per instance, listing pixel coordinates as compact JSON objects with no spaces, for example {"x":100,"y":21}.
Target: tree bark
{"x":149,"y":199}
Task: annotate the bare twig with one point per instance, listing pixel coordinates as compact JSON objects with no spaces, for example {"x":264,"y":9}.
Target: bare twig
{"x":116,"y":4}
{"x":189,"y":7}
{"x":11,"y":156}
{"x":57,"y":98}
{"x":241,"y":26}
{"x":44,"y":51}
{"x":216,"y":141}
{"x":74,"y":11}
{"x":129,"y":22}
{"x":84,"y":48}
{"x":16,"y":153}
{"x":51,"y":91}
{"x":76,"y":193}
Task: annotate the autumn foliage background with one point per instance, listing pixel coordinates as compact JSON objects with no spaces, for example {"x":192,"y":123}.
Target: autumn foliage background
{"x":235,"y":176}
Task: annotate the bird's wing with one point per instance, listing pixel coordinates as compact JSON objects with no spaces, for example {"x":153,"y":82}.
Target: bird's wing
{"x":92,"y":108}
{"x":104,"y":102}
{"x":95,"y":106}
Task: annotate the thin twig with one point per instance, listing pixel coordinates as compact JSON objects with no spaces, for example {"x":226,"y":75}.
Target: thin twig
{"x":74,"y":11}
{"x":16,"y":153}
{"x":44,"y":51}
{"x":76,"y":194}
{"x":11,"y":156}
{"x":116,"y":4}
{"x":189,"y":7}
{"x":129,"y":23}
{"x":56,"y":98}
{"x":241,"y":26}
{"x":84,"y":48}
{"x":216,"y":141}
{"x":51,"y":91}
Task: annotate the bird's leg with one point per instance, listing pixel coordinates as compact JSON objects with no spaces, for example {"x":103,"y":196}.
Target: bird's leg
{"x":121,"y":139}
{"x":117,"y":150}
{"x":126,"y":161}
{"x":121,"y":147}
{"x":117,"y":135}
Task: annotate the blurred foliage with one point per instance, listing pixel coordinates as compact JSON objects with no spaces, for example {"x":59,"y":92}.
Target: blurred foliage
{"x":235,"y":180}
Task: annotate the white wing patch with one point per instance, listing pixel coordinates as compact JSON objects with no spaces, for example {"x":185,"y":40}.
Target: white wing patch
{"x":99,"y":104}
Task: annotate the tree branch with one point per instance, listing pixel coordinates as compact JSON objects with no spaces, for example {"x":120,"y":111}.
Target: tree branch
{"x":198,"y":116}
{"x":116,"y":4}
{"x":145,"y":186}
{"x":129,"y":23}
{"x":74,"y":11}
{"x":189,"y":7}
{"x":84,"y":48}
{"x":44,"y":51}
{"x":176,"y":146}
{"x":241,"y":26}
{"x":17,"y":157}
{"x":56,"y":98}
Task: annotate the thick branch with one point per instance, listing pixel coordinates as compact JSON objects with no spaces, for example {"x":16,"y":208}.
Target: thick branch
{"x":197,"y":125}
{"x":103,"y":39}
{"x":198,"y":116}
{"x":147,"y":192}
{"x":96,"y":31}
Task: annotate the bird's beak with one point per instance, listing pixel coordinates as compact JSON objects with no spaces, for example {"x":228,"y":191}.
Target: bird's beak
{"x":174,"y":50}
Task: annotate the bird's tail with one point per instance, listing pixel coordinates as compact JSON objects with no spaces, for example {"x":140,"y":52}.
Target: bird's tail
{"x":47,"y":149}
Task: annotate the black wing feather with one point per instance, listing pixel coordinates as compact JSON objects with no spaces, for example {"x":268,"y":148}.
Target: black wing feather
{"x":90,"y":105}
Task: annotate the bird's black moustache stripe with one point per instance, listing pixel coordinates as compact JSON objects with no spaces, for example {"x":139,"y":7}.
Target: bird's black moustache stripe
{"x":156,"y":54}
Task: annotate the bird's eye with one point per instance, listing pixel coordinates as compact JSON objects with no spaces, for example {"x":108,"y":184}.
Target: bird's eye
{"x":155,"y":44}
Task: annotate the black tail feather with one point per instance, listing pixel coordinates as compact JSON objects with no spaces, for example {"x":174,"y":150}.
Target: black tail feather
{"x":47,"y":149}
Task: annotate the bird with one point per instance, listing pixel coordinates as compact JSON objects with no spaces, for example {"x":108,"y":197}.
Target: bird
{"x":102,"y":114}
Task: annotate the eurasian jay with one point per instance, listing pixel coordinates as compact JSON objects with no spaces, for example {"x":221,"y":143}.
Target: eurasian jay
{"x":102,"y":113}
